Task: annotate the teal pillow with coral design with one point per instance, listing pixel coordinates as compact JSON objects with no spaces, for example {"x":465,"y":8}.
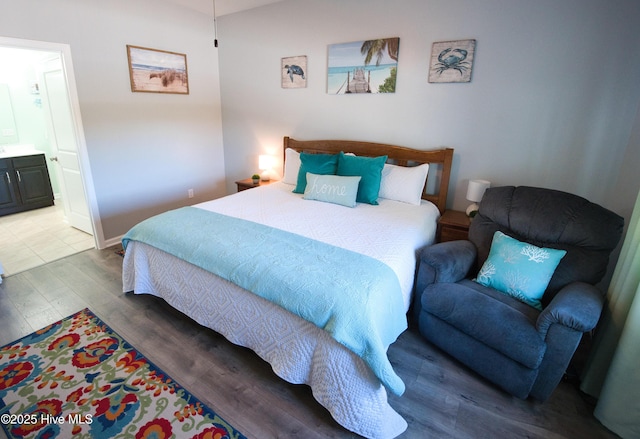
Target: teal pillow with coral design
{"x":519,"y":269}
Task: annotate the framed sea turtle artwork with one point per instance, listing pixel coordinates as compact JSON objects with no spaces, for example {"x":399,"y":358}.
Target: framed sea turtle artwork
{"x":452,"y":61}
{"x":294,"y":72}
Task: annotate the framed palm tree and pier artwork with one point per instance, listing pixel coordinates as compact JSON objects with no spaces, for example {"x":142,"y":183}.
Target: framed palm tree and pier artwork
{"x":368,"y":66}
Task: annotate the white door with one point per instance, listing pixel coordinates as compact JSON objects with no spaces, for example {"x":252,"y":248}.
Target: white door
{"x":63,"y":140}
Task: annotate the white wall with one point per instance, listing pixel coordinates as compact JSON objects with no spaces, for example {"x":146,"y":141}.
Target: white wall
{"x":552,"y":100}
{"x":145,"y":149}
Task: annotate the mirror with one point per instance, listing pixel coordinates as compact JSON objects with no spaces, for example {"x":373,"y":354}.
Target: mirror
{"x":8,"y":132}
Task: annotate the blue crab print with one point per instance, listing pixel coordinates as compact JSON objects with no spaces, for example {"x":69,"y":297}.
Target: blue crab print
{"x":453,"y":59}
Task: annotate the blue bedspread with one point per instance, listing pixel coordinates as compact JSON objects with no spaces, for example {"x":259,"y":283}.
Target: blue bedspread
{"x":356,"y":298}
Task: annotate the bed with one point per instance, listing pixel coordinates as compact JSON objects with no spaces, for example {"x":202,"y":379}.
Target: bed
{"x":267,"y":307}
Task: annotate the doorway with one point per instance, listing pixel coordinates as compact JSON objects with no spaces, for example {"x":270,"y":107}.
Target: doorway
{"x":49,"y":120}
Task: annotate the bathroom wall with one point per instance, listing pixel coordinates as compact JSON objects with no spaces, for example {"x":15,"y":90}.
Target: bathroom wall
{"x":19,"y":73}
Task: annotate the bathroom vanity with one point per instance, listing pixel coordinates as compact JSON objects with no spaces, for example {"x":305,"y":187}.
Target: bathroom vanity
{"x":24,"y":182}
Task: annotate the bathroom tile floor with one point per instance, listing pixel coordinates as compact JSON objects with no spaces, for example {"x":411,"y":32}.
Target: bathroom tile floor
{"x":30,"y":239}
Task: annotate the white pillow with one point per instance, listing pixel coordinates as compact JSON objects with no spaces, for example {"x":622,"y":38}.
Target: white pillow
{"x":291,"y":166}
{"x":401,"y":183}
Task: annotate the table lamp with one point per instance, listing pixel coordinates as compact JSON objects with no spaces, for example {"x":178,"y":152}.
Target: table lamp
{"x":265,"y":163}
{"x":475,"y":191}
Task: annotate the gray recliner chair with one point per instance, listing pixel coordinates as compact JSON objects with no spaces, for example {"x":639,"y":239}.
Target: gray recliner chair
{"x":521,"y":349}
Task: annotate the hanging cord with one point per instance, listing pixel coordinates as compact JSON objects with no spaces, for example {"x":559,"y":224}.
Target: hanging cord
{"x":215,"y":26}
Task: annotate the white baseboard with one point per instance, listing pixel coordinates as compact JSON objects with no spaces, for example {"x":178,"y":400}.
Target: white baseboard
{"x":111,"y":242}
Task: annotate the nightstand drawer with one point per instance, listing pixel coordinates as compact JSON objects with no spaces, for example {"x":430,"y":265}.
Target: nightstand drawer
{"x":452,"y":226}
{"x":453,"y":234}
{"x":248,"y":183}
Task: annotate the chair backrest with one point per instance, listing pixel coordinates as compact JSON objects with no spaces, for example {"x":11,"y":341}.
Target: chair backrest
{"x":553,"y":219}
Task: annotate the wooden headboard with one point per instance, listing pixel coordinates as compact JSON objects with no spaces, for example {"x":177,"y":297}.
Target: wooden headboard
{"x":439,"y":160}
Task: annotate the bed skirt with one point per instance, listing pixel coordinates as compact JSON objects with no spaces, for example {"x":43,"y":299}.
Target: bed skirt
{"x":298,"y":351}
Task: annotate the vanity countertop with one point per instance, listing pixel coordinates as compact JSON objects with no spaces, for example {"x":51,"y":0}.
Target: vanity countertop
{"x":7,"y":152}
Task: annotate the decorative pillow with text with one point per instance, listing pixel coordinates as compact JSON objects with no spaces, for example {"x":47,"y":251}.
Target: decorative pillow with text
{"x":332,"y":189}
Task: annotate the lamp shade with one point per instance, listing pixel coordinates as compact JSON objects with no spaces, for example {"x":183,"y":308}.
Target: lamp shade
{"x":476,"y":189}
{"x":264,"y":162}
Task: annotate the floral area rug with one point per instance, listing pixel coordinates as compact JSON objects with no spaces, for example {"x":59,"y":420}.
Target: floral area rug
{"x":77,"y":378}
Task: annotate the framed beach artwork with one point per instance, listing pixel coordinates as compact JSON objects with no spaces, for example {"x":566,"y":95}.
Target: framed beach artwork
{"x":157,"y":71}
{"x":452,"y":61}
{"x":294,"y":72}
{"x":368,"y":66}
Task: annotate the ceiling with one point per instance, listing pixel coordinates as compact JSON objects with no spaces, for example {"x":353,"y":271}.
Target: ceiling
{"x":223,"y":7}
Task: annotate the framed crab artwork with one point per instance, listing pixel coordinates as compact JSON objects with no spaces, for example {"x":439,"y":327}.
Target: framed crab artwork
{"x":452,"y":61}
{"x":294,"y":72}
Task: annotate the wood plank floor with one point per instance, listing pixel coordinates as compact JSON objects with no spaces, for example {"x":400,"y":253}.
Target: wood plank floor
{"x":443,"y":399}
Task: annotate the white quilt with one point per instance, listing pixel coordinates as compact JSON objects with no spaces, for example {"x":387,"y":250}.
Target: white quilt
{"x":298,"y":351}
{"x":389,"y":232}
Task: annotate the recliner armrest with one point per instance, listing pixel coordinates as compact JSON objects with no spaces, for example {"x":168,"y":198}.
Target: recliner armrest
{"x":577,"y":306}
{"x":445,"y":262}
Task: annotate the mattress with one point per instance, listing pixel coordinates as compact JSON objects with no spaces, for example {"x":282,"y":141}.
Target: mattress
{"x":298,"y":351}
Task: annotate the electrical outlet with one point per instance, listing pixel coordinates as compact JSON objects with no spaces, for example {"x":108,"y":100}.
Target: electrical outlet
{"x":190,"y":193}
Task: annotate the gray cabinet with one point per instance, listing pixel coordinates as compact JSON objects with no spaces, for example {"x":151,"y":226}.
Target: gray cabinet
{"x":24,"y":184}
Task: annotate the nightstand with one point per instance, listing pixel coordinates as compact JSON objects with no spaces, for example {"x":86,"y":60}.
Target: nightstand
{"x":247,"y":183}
{"x":453,"y":225}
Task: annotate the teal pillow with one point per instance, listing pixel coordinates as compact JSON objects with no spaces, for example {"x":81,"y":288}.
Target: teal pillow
{"x":332,"y":189}
{"x":369,"y":168}
{"x":321,"y":164}
{"x":519,"y":269}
